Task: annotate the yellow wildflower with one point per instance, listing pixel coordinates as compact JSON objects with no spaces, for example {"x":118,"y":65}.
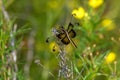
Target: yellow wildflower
{"x":78,"y":13}
{"x":110,"y":57}
{"x":108,"y":24}
{"x":95,"y":3}
{"x":54,"y":47}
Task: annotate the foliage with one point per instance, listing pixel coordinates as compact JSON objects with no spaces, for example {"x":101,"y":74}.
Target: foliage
{"x":96,"y":24}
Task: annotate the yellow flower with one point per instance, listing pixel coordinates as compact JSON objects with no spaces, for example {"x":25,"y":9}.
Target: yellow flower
{"x":54,"y":47}
{"x":95,"y":3}
{"x":110,"y":57}
{"x":108,"y":24}
{"x":78,"y":13}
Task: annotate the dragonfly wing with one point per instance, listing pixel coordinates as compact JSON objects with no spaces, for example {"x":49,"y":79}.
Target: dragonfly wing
{"x":61,"y":35}
{"x":65,"y":40}
{"x":72,"y":33}
{"x":70,"y":26}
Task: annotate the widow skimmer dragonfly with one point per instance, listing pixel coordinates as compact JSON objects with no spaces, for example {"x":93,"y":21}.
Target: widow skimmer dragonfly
{"x":66,"y":35}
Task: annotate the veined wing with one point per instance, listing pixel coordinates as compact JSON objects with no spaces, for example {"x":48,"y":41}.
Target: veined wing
{"x":70,"y":31}
{"x":65,"y":40}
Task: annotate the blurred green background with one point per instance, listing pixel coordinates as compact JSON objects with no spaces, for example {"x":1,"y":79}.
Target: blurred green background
{"x":42,"y":16}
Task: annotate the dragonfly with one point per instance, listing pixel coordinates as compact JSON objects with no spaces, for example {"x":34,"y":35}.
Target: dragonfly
{"x":66,"y":35}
